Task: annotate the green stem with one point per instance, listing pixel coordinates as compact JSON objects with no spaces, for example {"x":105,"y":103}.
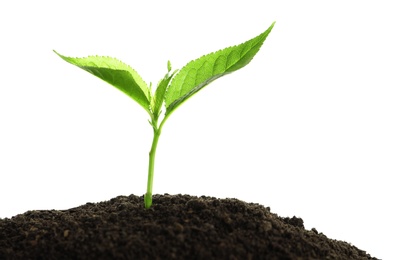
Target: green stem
{"x":157,"y":133}
{"x":148,"y":195}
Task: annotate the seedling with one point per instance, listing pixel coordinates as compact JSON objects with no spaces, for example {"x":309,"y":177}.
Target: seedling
{"x":174,"y":89}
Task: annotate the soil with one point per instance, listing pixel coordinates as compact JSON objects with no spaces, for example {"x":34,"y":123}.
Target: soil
{"x":175,"y":227}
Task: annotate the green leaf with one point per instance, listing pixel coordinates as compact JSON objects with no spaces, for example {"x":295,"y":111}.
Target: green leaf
{"x":169,"y":66}
{"x":160,"y":91}
{"x":116,"y":73}
{"x":202,"y":71}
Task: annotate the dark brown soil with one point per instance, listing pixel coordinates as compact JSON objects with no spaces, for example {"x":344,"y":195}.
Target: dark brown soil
{"x":176,"y":227}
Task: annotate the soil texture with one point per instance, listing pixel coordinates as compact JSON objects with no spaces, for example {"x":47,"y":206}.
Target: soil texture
{"x":175,"y":227}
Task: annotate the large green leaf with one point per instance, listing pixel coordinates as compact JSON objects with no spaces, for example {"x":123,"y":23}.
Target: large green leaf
{"x":116,"y":73}
{"x":202,"y":71}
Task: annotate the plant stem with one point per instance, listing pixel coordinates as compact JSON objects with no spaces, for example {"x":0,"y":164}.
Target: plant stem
{"x":148,"y":195}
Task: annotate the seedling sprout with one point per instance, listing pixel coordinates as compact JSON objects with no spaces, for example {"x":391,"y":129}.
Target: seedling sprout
{"x":175,"y":87}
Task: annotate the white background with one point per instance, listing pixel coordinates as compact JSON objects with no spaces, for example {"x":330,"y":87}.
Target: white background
{"x":311,"y":127}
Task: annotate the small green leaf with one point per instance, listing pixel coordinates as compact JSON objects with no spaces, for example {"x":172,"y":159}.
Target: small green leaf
{"x":169,"y":66}
{"x":202,"y":71}
{"x":115,"y":73}
{"x":160,"y":92}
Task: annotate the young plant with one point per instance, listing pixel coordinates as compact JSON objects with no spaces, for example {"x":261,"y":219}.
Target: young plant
{"x":175,"y":87}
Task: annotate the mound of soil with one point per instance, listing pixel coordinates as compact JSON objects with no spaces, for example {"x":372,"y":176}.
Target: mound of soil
{"x":175,"y":227}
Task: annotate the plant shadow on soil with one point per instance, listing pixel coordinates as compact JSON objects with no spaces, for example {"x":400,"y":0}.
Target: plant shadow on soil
{"x":175,"y":227}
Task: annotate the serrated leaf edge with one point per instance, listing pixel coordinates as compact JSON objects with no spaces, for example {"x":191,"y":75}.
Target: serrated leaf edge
{"x":137,"y":78}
